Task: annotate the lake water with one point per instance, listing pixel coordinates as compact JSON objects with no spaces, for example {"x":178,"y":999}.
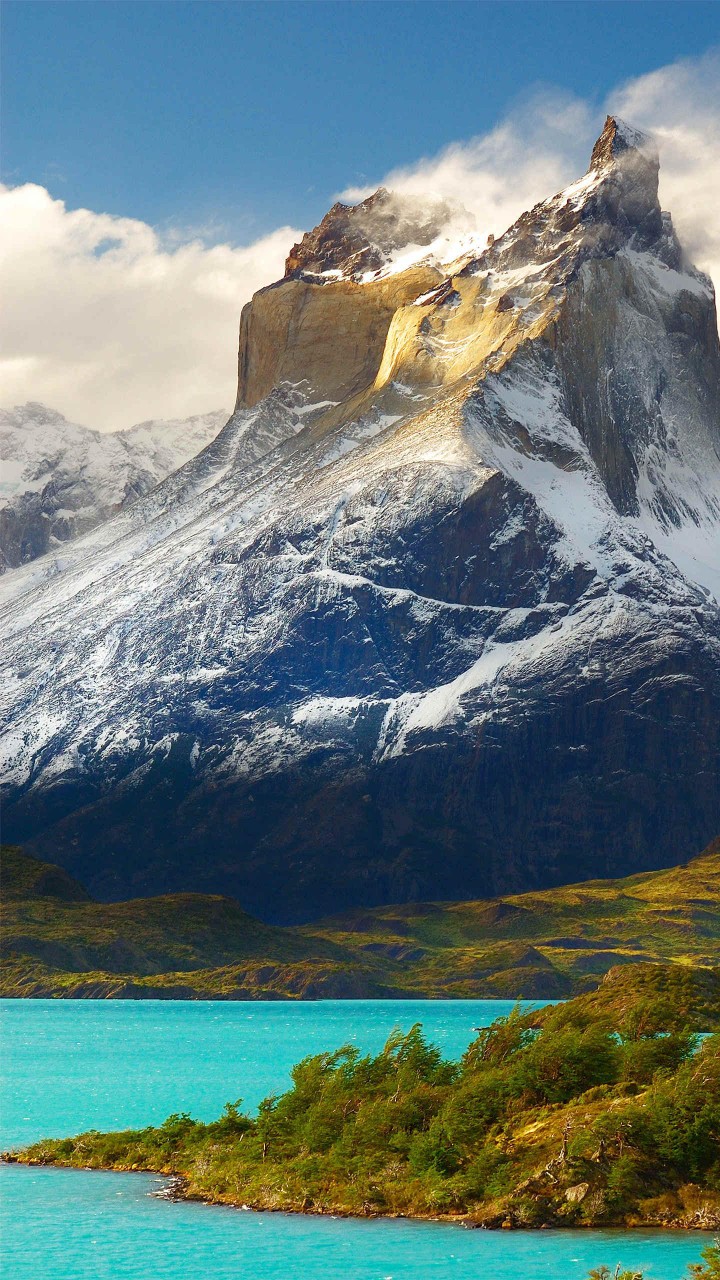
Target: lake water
{"x":69,"y":1066}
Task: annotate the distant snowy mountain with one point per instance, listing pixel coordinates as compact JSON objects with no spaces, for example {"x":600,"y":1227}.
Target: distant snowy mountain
{"x":58,"y":479}
{"x":436,"y":614}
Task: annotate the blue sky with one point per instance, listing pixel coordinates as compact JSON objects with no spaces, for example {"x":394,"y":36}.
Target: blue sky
{"x":247,"y":116}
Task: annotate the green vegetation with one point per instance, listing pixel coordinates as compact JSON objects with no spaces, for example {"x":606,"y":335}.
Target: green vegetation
{"x":603,"y":1110}
{"x":551,"y":944}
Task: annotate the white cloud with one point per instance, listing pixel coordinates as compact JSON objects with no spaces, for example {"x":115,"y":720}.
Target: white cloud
{"x":103,"y":321}
{"x":111,"y":324}
{"x":546,"y":142}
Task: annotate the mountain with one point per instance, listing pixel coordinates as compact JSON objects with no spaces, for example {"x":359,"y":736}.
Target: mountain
{"x":550,"y":943}
{"x":436,"y":615}
{"x":59,"y":479}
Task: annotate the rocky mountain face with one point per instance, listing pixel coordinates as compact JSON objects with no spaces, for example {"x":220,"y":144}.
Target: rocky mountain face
{"x":357,"y":241}
{"x":58,"y":479}
{"x":435,"y":615}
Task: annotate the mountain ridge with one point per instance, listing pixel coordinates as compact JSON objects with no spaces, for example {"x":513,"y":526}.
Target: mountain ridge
{"x":60,"y":479}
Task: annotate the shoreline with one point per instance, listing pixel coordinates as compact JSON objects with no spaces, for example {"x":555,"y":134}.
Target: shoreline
{"x":176,"y":1192}
{"x":580,"y":1114}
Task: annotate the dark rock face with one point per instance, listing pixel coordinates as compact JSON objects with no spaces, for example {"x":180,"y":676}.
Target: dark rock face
{"x":24,"y":534}
{"x":563,"y":773}
{"x":456,"y":635}
{"x":621,"y":405}
{"x":40,"y":522}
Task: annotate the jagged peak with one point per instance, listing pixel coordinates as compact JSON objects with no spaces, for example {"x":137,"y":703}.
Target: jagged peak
{"x":354,"y":240}
{"x":32,"y":414}
{"x":613,"y":205}
{"x":617,"y":139}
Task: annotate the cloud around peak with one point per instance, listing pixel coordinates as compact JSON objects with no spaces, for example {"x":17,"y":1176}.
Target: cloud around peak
{"x":680,"y":105}
{"x":545,"y":143}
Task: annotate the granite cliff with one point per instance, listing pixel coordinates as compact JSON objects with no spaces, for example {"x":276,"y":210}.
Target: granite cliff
{"x":436,"y":614}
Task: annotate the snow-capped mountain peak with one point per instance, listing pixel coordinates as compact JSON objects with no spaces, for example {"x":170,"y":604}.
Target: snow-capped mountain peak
{"x":433,"y":616}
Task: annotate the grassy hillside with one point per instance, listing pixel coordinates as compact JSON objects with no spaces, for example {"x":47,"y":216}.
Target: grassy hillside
{"x":601,"y":1111}
{"x":557,"y":943}
{"x":551,"y":943}
{"x":24,"y":878}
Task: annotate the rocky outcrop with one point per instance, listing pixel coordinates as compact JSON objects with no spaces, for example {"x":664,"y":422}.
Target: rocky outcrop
{"x":355,"y":240}
{"x":436,"y":614}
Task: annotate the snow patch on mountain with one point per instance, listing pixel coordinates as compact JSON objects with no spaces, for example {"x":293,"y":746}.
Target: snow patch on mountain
{"x":59,"y":479}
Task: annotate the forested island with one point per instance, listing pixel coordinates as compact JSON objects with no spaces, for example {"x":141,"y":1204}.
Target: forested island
{"x":604,"y":1110}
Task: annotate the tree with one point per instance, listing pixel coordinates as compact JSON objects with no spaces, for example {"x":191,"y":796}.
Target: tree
{"x":709,"y":1268}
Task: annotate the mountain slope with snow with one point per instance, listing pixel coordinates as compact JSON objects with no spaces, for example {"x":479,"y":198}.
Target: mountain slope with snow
{"x":58,"y":479}
{"x":434,"y":616}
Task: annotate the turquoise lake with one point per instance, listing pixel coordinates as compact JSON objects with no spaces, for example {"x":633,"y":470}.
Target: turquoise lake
{"x":68,"y":1066}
